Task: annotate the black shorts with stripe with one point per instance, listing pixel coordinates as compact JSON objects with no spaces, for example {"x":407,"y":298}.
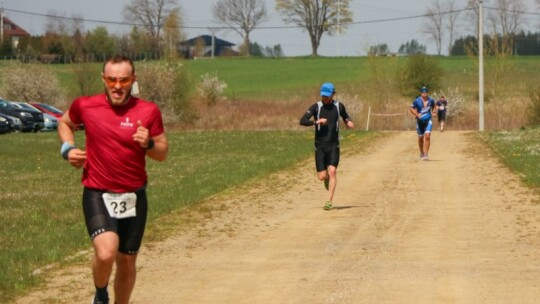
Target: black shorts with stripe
{"x":130,"y":230}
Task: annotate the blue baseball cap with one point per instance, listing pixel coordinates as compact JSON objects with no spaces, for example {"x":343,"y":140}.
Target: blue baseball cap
{"x":327,"y":89}
{"x":424,"y":89}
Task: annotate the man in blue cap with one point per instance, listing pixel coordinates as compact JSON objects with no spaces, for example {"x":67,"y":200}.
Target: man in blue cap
{"x":422,"y":108}
{"x":326,"y":113}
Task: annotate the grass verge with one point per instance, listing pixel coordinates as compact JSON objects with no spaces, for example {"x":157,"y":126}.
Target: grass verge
{"x":519,"y":150}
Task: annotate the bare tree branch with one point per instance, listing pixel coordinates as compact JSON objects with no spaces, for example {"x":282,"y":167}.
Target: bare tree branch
{"x":316,"y":17}
{"x":151,"y":14}
{"x":242,"y":16}
{"x":434,"y":25}
{"x":453,"y":15}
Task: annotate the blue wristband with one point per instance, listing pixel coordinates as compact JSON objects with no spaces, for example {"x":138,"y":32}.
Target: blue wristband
{"x":66,"y":147}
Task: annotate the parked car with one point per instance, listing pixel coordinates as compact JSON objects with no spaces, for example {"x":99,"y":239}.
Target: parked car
{"x":31,"y":109}
{"x":5,"y":127}
{"x":48,"y":109}
{"x":14,"y":122}
{"x":32,"y":120}
{"x":50,"y":122}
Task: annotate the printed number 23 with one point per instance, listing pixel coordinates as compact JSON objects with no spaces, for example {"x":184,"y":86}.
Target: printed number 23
{"x":119,"y":207}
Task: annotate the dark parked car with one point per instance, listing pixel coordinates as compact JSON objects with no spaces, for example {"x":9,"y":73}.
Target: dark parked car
{"x":32,"y":120}
{"x":14,"y":122}
{"x":5,"y":127}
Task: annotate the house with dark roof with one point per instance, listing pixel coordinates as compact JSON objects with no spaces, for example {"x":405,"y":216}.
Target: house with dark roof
{"x":12,"y":31}
{"x":206,"y":46}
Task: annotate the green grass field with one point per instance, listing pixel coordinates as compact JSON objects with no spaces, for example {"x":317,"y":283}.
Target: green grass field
{"x":250,"y":77}
{"x":279,"y":78}
{"x":286,"y":75}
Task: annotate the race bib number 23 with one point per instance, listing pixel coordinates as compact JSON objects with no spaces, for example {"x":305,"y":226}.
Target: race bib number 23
{"x":121,"y":205}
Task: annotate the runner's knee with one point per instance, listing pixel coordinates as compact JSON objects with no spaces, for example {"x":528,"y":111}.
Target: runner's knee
{"x":104,"y":256}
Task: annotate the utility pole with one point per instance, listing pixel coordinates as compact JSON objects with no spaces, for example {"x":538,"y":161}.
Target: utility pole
{"x":213,"y":50}
{"x":480,"y":66}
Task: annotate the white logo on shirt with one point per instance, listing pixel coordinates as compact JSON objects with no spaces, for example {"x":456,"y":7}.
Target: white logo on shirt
{"x":126,"y":124}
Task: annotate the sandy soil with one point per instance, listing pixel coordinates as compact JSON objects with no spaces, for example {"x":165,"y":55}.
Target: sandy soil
{"x":456,"y":229}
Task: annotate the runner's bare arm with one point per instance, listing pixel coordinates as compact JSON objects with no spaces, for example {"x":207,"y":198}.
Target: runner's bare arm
{"x":414,"y":112}
{"x":161,"y":148}
{"x":75,"y":156}
{"x":156,"y":147}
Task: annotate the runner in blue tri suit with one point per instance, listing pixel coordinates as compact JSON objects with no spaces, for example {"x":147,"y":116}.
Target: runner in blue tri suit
{"x":422,"y":108}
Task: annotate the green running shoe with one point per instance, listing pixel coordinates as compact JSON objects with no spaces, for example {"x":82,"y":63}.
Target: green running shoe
{"x":328,"y":205}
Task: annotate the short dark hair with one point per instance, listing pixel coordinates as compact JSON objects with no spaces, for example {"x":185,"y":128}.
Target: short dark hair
{"x":119,"y":58}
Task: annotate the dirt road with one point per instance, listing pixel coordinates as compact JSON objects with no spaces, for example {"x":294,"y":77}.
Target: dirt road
{"x":456,"y":229}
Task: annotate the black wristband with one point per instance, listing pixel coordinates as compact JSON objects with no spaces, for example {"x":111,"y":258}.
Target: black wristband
{"x":150,"y":144}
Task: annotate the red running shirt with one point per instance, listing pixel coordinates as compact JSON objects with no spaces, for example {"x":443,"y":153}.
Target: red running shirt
{"x":115,"y":162}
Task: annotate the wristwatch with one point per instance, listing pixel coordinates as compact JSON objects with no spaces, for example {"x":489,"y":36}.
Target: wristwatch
{"x":150,"y":144}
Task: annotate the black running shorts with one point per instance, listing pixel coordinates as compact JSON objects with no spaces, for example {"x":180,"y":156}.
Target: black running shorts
{"x":326,"y":156}
{"x":130,"y":230}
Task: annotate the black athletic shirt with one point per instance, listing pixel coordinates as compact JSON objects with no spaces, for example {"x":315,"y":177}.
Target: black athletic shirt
{"x":328,"y":134}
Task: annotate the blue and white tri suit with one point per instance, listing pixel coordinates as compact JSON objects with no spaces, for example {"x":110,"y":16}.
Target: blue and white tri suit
{"x":423,"y":123}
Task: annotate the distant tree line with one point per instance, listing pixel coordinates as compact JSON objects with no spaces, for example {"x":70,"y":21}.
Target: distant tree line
{"x":90,"y":46}
{"x":259,"y":51}
{"x":524,"y":44}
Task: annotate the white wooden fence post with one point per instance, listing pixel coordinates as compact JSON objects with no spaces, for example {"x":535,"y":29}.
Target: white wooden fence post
{"x":368,"y":114}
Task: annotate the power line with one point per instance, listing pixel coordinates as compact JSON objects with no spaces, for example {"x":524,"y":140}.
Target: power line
{"x":261,"y":27}
{"x":216,"y":27}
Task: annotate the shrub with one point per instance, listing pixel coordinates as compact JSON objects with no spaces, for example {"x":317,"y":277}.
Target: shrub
{"x":418,"y":71}
{"x":168,"y":84}
{"x":85,"y":78}
{"x":456,"y":101}
{"x":534,"y":107}
{"x":31,"y":83}
{"x":211,"y":88}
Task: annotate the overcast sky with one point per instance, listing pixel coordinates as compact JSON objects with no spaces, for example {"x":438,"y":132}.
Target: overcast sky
{"x":198,"y":17}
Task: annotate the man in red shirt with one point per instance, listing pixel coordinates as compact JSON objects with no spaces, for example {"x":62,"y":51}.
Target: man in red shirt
{"x":121,"y":130}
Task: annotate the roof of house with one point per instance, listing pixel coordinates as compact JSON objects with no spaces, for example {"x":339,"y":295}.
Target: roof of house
{"x":12,"y":29}
{"x":207,"y":39}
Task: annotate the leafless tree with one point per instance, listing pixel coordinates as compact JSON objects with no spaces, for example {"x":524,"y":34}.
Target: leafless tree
{"x":452,"y":17}
{"x":242,"y":16}
{"x":151,"y":15}
{"x":507,"y":16}
{"x":59,"y":23}
{"x":538,"y":4}
{"x":316,"y":17}
{"x":471,"y":16}
{"x":507,"y":19}
{"x":172,"y":34}
{"x":433,"y":27}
